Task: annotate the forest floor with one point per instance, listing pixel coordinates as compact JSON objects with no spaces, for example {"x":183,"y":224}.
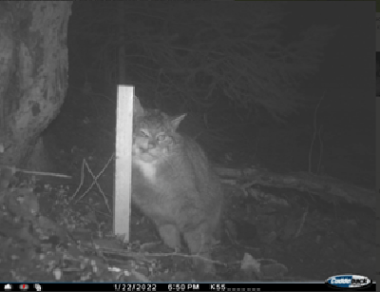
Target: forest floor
{"x":58,"y":230}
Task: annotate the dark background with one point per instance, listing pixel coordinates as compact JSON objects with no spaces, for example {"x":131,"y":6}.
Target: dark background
{"x":345,"y":78}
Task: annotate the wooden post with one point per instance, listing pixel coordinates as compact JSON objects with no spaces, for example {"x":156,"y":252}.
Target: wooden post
{"x":123,"y":161}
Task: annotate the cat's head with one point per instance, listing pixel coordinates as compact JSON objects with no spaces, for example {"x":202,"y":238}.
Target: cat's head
{"x":154,"y":134}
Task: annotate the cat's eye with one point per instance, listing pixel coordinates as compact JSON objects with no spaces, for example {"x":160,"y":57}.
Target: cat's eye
{"x":161,"y":138}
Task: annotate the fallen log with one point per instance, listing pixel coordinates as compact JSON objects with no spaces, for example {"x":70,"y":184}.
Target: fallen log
{"x":323,"y":186}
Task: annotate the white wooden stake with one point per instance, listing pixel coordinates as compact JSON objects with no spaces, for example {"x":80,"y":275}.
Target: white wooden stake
{"x":123,"y":161}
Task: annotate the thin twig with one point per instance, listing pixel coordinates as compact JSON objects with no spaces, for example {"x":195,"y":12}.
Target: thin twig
{"x":302,"y":222}
{"x":95,"y":182}
{"x":320,"y":149}
{"x":315,"y":131}
{"x":14,"y":169}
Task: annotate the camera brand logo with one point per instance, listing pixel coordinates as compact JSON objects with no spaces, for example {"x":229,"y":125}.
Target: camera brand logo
{"x":349,"y":281}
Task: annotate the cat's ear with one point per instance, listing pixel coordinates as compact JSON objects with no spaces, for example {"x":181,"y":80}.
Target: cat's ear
{"x":177,"y":120}
{"x":138,"y":110}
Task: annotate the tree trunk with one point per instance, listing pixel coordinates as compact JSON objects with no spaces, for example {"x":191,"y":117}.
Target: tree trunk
{"x":33,"y":73}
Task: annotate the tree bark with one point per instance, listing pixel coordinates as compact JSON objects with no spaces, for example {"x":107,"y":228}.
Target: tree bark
{"x":33,"y":73}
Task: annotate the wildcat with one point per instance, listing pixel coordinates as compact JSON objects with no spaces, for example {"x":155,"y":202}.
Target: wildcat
{"x":174,"y":185}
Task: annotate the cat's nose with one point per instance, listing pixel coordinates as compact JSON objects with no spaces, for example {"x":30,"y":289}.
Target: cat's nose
{"x":151,"y":145}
